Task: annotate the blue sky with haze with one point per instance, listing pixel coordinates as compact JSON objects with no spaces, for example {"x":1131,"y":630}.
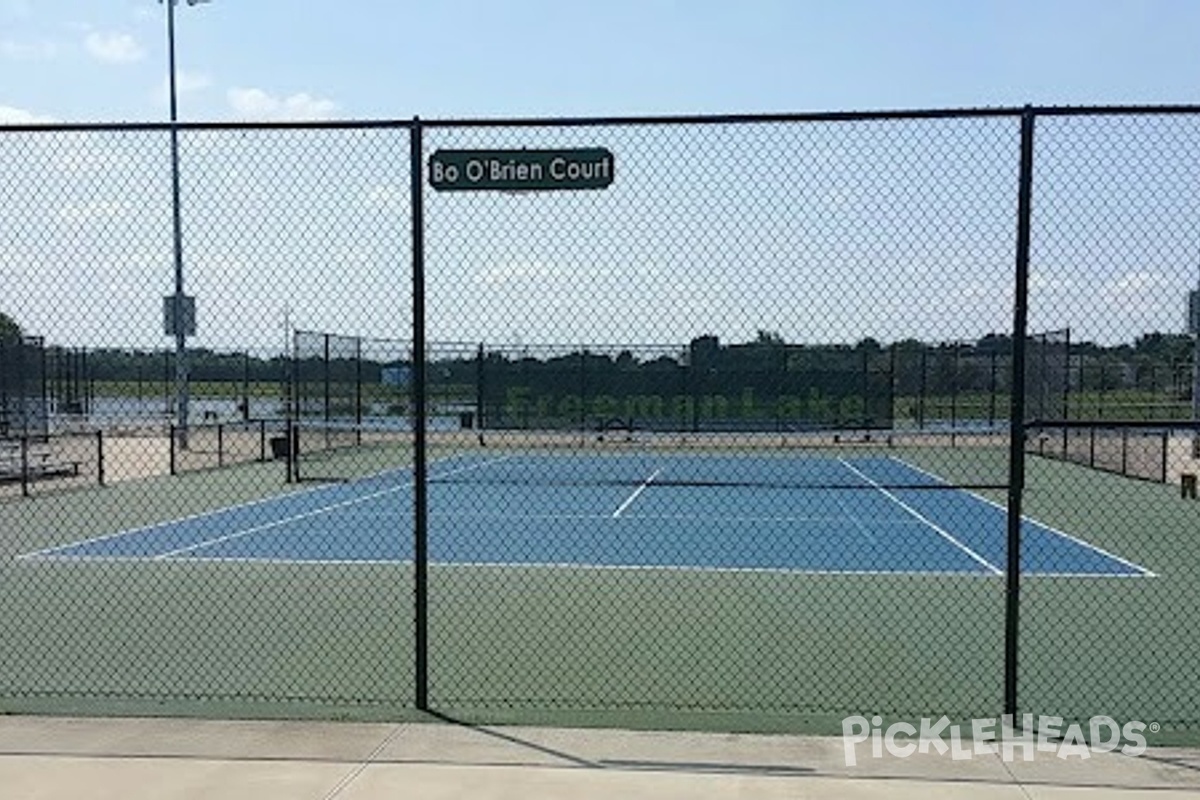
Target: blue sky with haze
{"x":853,"y":250}
{"x":105,"y":59}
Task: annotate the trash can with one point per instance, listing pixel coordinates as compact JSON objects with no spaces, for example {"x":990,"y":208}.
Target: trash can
{"x":280,"y":448}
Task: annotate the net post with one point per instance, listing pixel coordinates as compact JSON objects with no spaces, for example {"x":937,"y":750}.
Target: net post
{"x":327,"y":388}
{"x":924,"y":363}
{"x":992,"y":364}
{"x":289,"y":451}
{"x":479,"y":392}
{"x":171,"y":448}
{"x":100,"y":456}
{"x":864,"y":385}
{"x":954,"y":387}
{"x":24,"y":464}
{"x":693,"y":392}
{"x":890,"y":419}
{"x":1066,"y":389}
{"x":1164,"y":465}
{"x":583,"y":387}
{"x":1016,"y":486}
{"x":358,"y":391}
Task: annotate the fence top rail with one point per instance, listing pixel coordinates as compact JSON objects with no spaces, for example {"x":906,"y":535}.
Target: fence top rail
{"x":1157,"y":425}
{"x":611,"y":121}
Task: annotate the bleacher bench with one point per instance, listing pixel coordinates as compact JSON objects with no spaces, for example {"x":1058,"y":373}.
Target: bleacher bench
{"x":39,"y":463}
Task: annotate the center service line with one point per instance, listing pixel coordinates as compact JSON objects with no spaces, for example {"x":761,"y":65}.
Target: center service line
{"x":629,"y":500}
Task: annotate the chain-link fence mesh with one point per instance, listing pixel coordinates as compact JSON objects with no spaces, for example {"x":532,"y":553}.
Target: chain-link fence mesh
{"x":731,"y":521}
{"x":147,"y":593}
{"x":732,"y":438}
{"x":1114,"y":254}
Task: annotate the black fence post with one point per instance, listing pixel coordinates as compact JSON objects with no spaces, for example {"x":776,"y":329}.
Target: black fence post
{"x":171,"y":447}
{"x":1016,"y":486}
{"x":420,"y":460}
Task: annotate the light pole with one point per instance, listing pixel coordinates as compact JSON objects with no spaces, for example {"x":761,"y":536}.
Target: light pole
{"x":180,"y":309}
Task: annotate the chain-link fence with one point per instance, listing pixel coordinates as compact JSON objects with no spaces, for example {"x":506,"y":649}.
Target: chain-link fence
{"x":714,"y":422}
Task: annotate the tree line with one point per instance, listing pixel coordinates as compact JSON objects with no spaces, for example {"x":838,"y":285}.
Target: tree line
{"x":1153,"y":362}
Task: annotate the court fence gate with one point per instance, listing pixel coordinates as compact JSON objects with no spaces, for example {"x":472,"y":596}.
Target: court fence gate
{"x":729,"y":422}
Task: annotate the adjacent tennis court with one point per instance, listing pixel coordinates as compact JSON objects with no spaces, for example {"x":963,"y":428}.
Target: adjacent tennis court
{"x":798,"y":514}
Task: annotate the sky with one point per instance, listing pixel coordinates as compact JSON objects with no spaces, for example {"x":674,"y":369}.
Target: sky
{"x":265,"y":59}
{"x":867,"y":256}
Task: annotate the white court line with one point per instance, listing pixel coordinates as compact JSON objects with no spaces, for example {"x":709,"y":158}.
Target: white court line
{"x":501,"y":516}
{"x":212,"y":511}
{"x":936,"y":528}
{"x":49,"y":552}
{"x":629,"y":500}
{"x":1145,"y":572}
{"x":581,"y":566}
{"x":317,"y":512}
{"x":198,"y":515}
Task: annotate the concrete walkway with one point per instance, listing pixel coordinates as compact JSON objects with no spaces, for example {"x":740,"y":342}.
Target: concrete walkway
{"x":131,"y":759}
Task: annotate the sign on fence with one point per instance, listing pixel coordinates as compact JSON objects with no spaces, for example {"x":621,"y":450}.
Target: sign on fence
{"x":179,"y":312}
{"x":517,"y":170}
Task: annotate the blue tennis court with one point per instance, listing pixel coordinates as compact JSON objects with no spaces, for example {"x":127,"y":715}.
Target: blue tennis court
{"x":866,"y":515}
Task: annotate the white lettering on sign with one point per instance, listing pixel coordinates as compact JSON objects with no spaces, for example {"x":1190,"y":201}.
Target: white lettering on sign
{"x":512,"y":171}
{"x":444,"y":173}
{"x":563,"y":170}
{"x":585,"y":168}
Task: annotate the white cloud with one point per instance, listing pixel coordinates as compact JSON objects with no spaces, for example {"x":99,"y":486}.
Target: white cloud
{"x":19,"y":116}
{"x":32,"y":50}
{"x":113,"y":48}
{"x":257,"y":104}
